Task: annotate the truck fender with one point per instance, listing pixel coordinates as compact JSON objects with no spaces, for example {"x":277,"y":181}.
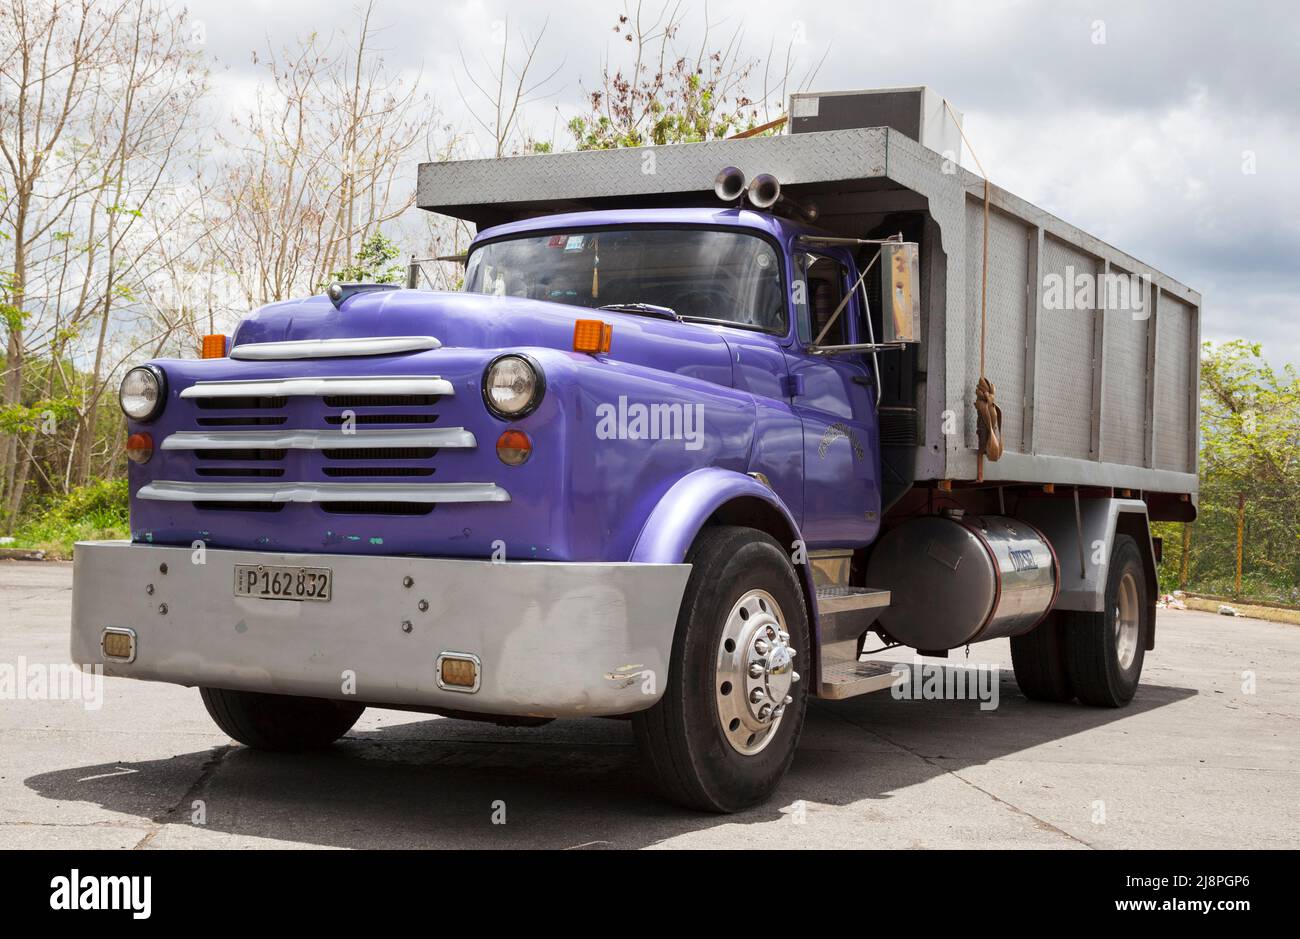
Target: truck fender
{"x":1083,"y":580}
{"x":687,"y":506}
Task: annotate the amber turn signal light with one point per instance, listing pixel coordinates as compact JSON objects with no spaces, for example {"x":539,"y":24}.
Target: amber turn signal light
{"x":139,"y":448}
{"x":118,"y":643}
{"x":592,"y":336}
{"x":514,"y":447}
{"x":214,"y":346}
{"x":458,"y":671}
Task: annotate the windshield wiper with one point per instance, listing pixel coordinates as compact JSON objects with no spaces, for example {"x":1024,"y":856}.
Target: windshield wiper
{"x":648,"y":309}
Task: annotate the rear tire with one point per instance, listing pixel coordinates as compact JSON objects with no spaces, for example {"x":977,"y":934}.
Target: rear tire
{"x":279,"y":722}
{"x":704,"y":742}
{"x":1038,"y":658}
{"x":1104,"y":651}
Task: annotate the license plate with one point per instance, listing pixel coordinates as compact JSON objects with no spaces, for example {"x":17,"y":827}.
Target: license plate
{"x":267,"y":582}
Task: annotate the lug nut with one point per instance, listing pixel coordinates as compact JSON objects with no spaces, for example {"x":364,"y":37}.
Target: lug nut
{"x":794,"y":676}
{"x":761,"y":647}
{"x":771,"y":633}
{"x":408,"y":581}
{"x":756,"y":695}
{"x":148,"y":589}
{"x":789,"y":699}
{"x":423,"y":605}
{"x":406,"y":626}
{"x":162,"y":609}
{"x":755,"y":671}
{"x":765,"y":712}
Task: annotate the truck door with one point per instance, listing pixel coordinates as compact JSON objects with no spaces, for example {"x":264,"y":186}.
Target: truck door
{"x":835,"y":399}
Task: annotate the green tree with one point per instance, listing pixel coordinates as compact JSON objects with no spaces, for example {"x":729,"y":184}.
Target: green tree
{"x":373,"y":264}
{"x":662,"y":95}
{"x":1250,"y":457}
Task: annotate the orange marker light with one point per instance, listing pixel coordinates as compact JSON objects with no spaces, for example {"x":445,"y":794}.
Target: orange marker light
{"x":118,"y":644}
{"x":139,"y":448}
{"x":592,"y":336}
{"x":514,"y":448}
{"x":459,"y":672}
{"x":214,"y":346}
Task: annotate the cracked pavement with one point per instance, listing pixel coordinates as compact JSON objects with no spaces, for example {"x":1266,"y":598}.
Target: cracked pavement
{"x":1194,"y":762}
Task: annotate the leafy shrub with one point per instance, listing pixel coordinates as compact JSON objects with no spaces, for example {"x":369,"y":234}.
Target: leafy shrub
{"x":96,"y":511}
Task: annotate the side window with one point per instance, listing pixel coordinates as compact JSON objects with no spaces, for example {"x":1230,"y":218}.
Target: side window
{"x":818,"y":293}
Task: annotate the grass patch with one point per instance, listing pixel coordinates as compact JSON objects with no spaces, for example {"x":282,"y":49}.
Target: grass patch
{"x":96,"y":511}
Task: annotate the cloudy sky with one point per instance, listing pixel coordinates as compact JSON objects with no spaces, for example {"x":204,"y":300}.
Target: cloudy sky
{"x":1170,"y":129}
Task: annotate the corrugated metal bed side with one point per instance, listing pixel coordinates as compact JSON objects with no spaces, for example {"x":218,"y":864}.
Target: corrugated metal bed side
{"x":1090,"y":397}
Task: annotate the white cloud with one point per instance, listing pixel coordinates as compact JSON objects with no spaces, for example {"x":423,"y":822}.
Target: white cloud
{"x":1139,"y":139}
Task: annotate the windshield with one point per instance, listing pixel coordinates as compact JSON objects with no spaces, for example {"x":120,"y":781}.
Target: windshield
{"x":727,"y":276}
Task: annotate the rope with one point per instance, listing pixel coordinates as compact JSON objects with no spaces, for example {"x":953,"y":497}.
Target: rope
{"x":989,"y":425}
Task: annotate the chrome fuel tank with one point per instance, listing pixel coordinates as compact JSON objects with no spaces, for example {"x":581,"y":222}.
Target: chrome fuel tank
{"x":962,"y":579}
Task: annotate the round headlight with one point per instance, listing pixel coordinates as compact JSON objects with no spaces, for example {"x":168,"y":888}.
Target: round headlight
{"x":143,"y":393}
{"x":513,"y":387}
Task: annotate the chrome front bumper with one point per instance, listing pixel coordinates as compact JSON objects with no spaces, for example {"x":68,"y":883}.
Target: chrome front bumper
{"x":553,"y":639}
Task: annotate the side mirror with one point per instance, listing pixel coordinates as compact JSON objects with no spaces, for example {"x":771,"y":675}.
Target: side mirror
{"x":900,"y":282}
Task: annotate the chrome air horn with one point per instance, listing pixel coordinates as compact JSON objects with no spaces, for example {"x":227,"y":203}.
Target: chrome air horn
{"x":729,"y":184}
{"x":764,"y":193}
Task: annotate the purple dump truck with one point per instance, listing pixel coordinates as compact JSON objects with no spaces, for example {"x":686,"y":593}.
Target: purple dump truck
{"x":704,"y":424}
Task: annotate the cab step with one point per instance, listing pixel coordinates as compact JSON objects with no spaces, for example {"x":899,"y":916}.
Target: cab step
{"x":850,"y":679}
{"x":845,"y":613}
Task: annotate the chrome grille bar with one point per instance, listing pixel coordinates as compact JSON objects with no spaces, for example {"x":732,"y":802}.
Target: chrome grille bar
{"x":168,"y":491}
{"x":332,"y":348}
{"x":444,"y":437}
{"x":319,"y":387}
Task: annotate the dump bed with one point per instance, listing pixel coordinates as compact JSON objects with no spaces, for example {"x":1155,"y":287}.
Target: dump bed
{"x":1091,"y":394}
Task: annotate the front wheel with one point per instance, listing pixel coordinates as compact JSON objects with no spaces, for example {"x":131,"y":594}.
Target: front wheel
{"x":723,"y":734}
{"x":277,"y":721}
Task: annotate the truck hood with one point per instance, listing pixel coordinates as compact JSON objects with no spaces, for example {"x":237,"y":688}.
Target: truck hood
{"x":477,"y":321}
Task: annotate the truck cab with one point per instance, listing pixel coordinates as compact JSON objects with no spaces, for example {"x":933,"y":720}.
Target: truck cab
{"x":749,"y":284}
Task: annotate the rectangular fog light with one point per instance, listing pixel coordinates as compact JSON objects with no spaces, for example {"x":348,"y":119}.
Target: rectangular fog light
{"x":458,"y":671}
{"x":118,"y":643}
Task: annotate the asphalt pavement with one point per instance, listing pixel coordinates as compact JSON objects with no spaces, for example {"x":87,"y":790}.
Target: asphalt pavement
{"x":1206,"y":756}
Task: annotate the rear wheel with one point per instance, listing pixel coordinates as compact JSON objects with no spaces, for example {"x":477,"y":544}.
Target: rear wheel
{"x":1105,"y":651}
{"x":723,"y":734}
{"x":1038,"y":658}
{"x":279,"y":722}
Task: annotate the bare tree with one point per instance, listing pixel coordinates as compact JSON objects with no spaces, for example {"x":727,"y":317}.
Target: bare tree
{"x":504,"y":90}
{"x":157,"y":84}
{"x":94,"y":99}
{"x":315,"y":168}
{"x":49,"y":106}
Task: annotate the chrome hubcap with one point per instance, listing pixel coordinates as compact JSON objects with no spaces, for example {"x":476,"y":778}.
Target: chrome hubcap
{"x":755,"y":672}
{"x":1126,"y":621}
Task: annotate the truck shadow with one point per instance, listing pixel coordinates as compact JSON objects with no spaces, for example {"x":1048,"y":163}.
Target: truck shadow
{"x":438,"y":783}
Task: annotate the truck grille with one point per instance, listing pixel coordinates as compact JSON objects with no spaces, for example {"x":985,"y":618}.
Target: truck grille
{"x":376,"y":508}
{"x":350,"y":446}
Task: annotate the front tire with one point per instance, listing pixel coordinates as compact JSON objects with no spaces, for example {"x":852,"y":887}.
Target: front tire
{"x":279,"y":722}
{"x":1105,"y":651}
{"x":722,"y":736}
